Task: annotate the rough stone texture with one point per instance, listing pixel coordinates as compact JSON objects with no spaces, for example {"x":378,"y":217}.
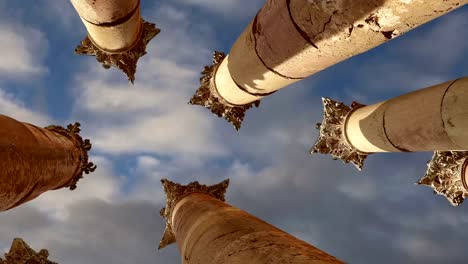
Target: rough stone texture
{"x":315,"y":35}
{"x":428,"y":119}
{"x":332,"y":137}
{"x":289,"y":40}
{"x":208,"y":230}
{"x":175,"y":192}
{"x":35,"y":160}
{"x":104,"y":11}
{"x":208,"y":97}
{"x":126,"y":60}
{"x":21,"y":253}
{"x":446,"y":175}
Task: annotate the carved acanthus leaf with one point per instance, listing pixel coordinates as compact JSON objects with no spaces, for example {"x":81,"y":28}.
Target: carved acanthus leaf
{"x":332,"y":139}
{"x":175,"y":192}
{"x":20,"y":253}
{"x":125,"y":60}
{"x":207,"y":96}
{"x":445,"y":175}
{"x":72,"y":132}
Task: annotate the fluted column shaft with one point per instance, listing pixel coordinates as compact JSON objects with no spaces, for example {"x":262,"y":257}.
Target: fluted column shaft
{"x":34,"y":160}
{"x":209,"y":231}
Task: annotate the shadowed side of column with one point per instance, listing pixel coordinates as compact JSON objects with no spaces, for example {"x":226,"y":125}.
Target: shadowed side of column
{"x":209,"y":231}
{"x":34,"y":160}
{"x":289,"y":40}
{"x":429,"y":119}
{"x":117,"y":35}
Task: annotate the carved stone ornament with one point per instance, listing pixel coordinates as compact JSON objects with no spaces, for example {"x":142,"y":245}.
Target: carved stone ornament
{"x":21,"y":253}
{"x":445,"y":175}
{"x":125,"y":60}
{"x":72,"y":133}
{"x":208,"y":97}
{"x":175,"y":192}
{"x":332,"y":139}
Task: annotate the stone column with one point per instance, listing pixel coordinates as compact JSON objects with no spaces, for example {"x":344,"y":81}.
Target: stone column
{"x":21,"y":253}
{"x":207,"y":230}
{"x":289,"y":40}
{"x":117,"y":35}
{"x":34,"y":160}
{"x":431,"y":119}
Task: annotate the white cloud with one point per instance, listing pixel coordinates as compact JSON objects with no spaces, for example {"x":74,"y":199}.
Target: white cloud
{"x":146,"y":118}
{"x":14,"y":108}
{"x":102,"y":184}
{"x":22,"y":49}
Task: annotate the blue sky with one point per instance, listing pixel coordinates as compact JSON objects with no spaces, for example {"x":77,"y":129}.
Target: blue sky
{"x":146,"y":132}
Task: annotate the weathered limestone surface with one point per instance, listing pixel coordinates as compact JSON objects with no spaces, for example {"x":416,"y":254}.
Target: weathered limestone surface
{"x":207,"y":230}
{"x":117,"y":35}
{"x":430,"y":119}
{"x":21,"y":253}
{"x":34,"y":160}
{"x":289,"y":40}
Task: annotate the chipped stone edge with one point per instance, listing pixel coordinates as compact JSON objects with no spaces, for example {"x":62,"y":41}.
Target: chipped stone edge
{"x":126,"y":60}
{"x":332,"y":137}
{"x":208,"y":97}
{"x":20,"y":251}
{"x":72,"y":132}
{"x":445,"y":175}
{"x":175,"y":192}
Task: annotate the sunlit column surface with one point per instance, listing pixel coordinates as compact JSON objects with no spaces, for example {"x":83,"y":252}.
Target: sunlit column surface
{"x":209,"y":231}
{"x":35,"y":160}
{"x":21,"y":253}
{"x":117,"y":35}
{"x":430,"y":119}
{"x":289,"y":40}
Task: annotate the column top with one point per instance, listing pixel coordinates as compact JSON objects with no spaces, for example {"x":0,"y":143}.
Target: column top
{"x":175,"y":192}
{"x":20,"y":251}
{"x":447,"y":174}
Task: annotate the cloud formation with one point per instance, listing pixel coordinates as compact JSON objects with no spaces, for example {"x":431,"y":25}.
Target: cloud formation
{"x":146,"y":132}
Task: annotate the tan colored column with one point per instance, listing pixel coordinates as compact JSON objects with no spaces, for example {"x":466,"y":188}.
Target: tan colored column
{"x":34,"y":160}
{"x":207,"y":230}
{"x":289,"y":40}
{"x":117,"y":35}
{"x":430,"y":119}
{"x":21,"y":253}
{"x":434,"y":118}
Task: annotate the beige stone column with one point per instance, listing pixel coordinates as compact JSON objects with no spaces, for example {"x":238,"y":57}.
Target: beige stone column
{"x":21,"y":253}
{"x":35,"y":160}
{"x":209,"y":231}
{"x":117,"y":35}
{"x":430,"y":119}
{"x":289,"y":40}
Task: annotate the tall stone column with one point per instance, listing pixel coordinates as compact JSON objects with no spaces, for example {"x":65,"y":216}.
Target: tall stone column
{"x":117,"y":35}
{"x":289,"y":40}
{"x":21,"y":253}
{"x":207,"y":230}
{"x":430,"y":119}
{"x":35,"y":160}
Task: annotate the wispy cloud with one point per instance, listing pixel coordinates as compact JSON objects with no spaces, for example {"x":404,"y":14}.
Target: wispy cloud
{"x":369,"y":217}
{"x":23,"y":49}
{"x":13,"y":107}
